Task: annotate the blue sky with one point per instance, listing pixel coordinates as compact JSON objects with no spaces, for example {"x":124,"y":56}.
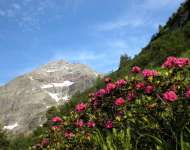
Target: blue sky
{"x":93,"y":32}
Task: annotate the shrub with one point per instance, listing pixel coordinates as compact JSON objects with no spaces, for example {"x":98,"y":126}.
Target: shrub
{"x":3,"y":140}
{"x":152,"y":105}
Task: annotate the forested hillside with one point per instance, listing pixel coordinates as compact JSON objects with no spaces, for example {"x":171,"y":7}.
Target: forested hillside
{"x":173,"y":39}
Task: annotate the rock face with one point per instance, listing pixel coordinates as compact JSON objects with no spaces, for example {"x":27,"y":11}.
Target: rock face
{"x":25,"y":100}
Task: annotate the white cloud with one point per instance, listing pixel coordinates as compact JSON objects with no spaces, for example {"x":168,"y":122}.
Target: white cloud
{"x":138,"y":15}
{"x":121,"y":23}
{"x":29,"y":14}
{"x":154,"y":5}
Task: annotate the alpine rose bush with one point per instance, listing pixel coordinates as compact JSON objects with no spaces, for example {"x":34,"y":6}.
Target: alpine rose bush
{"x":153,"y":105}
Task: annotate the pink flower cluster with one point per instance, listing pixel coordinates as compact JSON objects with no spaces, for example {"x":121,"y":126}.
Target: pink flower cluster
{"x":131,"y":96}
{"x":119,"y":101}
{"x":55,"y":128}
{"x":56,"y":119}
{"x":91,"y":124}
{"x":176,"y":62}
{"x":136,"y":69}
{"x":45,"y":142}
{"x":101,"y":93}
{"x":80,"y":123}
{"x":149,"y":89}
{"x":110,"y":87}
{"x":170,"y":96}
{"x":69,"y":134}
{"x":80,"y":107}
{"x":139,"y":86}
{"x":187,"y":94}
{"x":120,"y":83}
{"x":109,"y":124}
{"x":149,"y":73}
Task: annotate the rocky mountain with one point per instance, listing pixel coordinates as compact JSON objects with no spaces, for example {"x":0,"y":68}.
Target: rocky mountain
{"x":25,"y":100}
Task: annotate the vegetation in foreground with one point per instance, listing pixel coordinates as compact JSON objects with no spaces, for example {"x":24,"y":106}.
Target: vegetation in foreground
{"x":149,"y":109}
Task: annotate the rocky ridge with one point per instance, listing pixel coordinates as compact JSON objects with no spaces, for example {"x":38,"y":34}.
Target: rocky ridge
{"x":25,"y":100}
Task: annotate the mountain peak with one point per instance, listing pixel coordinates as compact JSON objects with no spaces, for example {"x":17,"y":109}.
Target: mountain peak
{"x":26,"y":99}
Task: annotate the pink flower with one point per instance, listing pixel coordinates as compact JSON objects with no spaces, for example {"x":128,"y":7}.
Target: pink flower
{"x":101,"y":93}
{"x":120,"y":101}
{"x":121,"y":83}
{"x":149,"y":89}
{"x":140,"y":86}
{"x":109,"y":124}
{"x":79,"y":123}
{"x":91,"y":124}
{"x":55,"y":127}
{"x":45,"y":142}
{"x":181,"y":62}
{"x":175,"y":62}
{"x":93,"y":99}
{"x":110,"y":87}
{"x":187,"y":94}
{"x":149,"y":73}
{"x":136,"y":69}
{"x":107,"y":80}
{"x":94,"y":102}
{"x":69,"y":134}
{"x":80,"y":107}
{"x":131,"y":96}
{"x":56,"y":119}
{"x":170,"y":62}
{"x":170,"y":96}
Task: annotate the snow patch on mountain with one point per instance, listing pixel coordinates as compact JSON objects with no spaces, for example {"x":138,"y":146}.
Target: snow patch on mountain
{"x":63,"y":84}
{"x":54,"y":96}
{"x":10,"y":127}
